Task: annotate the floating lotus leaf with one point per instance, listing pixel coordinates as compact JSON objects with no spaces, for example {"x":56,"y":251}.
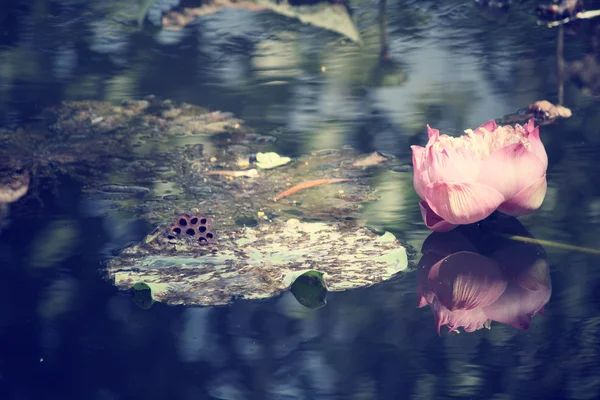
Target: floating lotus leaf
{"x":257,"y":262}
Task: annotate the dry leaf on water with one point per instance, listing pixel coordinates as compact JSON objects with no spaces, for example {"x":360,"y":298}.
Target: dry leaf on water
{"x":372,"y":159}
{"x":544,"y":110}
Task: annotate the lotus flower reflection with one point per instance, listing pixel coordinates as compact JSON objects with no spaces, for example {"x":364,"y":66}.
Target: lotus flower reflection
{"x":463,"y":180}
{"x":470,"y":278}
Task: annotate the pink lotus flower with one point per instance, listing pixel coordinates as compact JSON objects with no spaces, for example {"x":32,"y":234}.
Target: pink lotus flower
{"x":463,"y":180}
{"x":468,"y":289}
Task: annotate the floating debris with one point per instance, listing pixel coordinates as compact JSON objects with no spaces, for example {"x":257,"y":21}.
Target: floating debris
{"x":373,"y":159}
{"x":542,"y":111}
{"x":270,"y":160}
{"x":545,"y":111}
{"x":13,"y":185}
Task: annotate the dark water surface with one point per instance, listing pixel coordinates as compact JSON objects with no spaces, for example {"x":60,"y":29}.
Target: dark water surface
{"x":66,"y":333}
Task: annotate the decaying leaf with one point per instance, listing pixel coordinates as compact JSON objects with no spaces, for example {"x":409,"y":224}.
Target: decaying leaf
{"x":177,"y":20}
{"x":13,"y":185}
{"x":372,"y":159}
{"x":270,"y":160}
{"x":333,"y":16}
{"x":258,"y":262}
{"x":544,"y":110}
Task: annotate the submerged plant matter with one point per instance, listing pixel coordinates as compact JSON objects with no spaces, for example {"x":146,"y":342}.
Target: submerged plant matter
{"x":463,"y":180}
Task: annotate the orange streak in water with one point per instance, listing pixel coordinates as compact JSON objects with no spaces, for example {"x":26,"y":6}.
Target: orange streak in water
{"x":306,"y":185}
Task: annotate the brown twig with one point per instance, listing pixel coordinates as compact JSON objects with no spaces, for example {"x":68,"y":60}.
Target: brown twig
{"x":306,"y":185}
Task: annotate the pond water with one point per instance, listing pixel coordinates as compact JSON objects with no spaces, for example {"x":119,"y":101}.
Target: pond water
{"x":68,"y":333}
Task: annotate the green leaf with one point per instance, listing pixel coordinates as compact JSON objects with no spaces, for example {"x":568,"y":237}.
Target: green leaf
{"x":310,"y":289}
{"x":142,"y":295}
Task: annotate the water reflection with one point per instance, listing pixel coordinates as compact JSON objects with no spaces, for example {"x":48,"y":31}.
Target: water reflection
{"x":332,"y":15}
{"x":478,"y":274}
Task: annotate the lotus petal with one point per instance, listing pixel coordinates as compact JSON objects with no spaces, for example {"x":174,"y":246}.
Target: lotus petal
{"x":434,"y":221}
{"x":511,"y":169}
{"x":489,"y":126}
{"x":537,"y":147}
{"x":452,"y":165}
{"x":462,"y":203}
{"x":527,"y":200}
{"x":433,"y":134}
{"x":420,"y":176}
